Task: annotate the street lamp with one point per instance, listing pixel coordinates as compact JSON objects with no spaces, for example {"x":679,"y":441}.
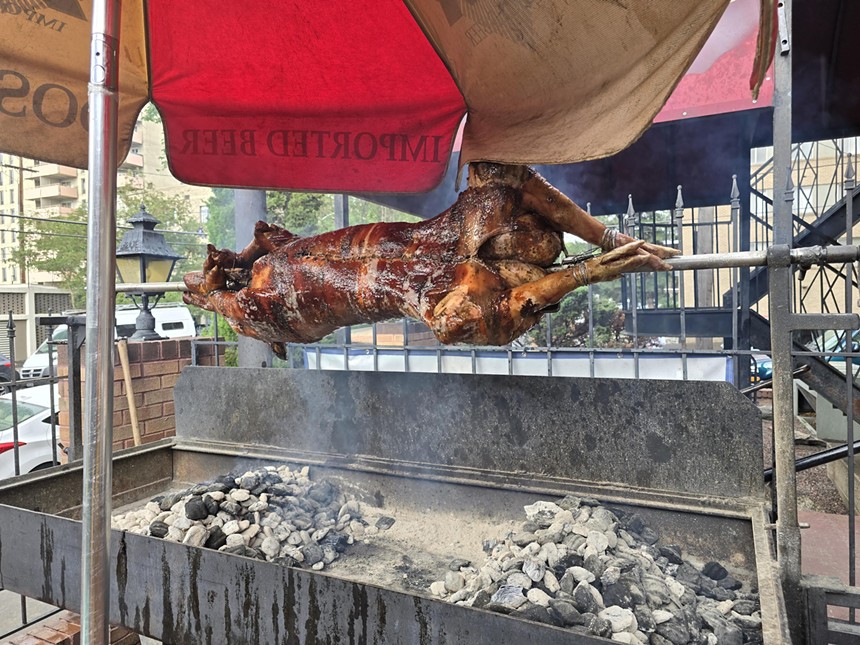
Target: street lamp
{"x":144,"y":256}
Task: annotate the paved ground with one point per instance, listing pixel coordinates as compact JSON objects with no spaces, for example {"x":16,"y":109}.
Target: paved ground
{"x":10,"y":611}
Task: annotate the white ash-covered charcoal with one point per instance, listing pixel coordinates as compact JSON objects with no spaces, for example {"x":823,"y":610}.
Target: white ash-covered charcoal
{"x":577,"y":564}
{"x":273,"y":513}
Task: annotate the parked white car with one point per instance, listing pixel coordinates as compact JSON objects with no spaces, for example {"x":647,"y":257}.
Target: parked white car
{"x":34,"y":431}
{"x":171,"y":321}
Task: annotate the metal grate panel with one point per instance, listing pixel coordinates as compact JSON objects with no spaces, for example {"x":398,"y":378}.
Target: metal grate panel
{"x":52,"y":302}
{"x":4,"y":343}
{"x":14,"y":302}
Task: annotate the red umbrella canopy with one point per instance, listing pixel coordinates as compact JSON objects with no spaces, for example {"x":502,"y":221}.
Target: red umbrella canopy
{"x":358,"y":95}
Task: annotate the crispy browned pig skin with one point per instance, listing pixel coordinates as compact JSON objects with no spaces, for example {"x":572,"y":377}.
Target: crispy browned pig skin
{"x":477,"y":273}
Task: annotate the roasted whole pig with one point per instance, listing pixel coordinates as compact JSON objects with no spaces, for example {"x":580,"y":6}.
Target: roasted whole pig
{"x":477,"y":273}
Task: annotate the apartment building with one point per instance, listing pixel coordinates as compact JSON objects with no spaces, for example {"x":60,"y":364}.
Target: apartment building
{"x":47,"y":190}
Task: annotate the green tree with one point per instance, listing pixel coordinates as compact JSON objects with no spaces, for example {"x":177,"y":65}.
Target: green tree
{"x":59,"y":245}
{"x":225,"y":333}
{"x":175,"y":217}
{"x":221,"y":225}
{"x":362,"y":211}
{"x":301,"y":213}
{"x":150,"y":113}
{"x":570,"y":322}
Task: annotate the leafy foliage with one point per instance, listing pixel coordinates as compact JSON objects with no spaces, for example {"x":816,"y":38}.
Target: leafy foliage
{"x":173,"y":213}
{"x":59,"y":245}
{"x":570,"y":322}
{"x":301,"y":213}
{"x":221,"y":226}
{"x":225,"y":333}
{"x":150,"y":113}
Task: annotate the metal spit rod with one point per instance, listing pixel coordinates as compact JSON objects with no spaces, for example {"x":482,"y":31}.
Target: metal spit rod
{"x":101,"y":269}
{"x":805,"y":256}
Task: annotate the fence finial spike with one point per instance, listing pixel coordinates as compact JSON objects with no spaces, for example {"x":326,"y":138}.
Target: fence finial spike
{"x":11,"y":324}
{"x":630,"y":211}
{"x":849,"y":170}
{"x":588,"y":207}
{"x":679,"y":200}
{"x":735,"y":192}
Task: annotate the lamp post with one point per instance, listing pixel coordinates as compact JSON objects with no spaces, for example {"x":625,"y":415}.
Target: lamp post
{"x":143,"y":256}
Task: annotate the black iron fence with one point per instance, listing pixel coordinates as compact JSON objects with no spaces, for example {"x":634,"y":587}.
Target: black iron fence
{"x":29,"y":442}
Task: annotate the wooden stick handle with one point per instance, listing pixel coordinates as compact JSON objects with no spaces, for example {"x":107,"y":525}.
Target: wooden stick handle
{"x":122,"y":346}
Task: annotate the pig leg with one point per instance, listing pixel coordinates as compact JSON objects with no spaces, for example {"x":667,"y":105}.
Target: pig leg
{"x":540,"y":196}
{"x":532,"y":298}
{"x":223,"y":264}
{"x":267,"y":238}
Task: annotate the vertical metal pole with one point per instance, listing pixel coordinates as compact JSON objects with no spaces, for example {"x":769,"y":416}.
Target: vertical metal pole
{"x":787,"y":528}
{"x":76,"y":398}
{"x":679,"y":219}
{"x":735,"y":220}
{"x":250,"y":206}
{"x":630,"y":224}
{"x":744,"y":274}
{"x":22,"y":262}
{"x":101,"y":296}
{"x":375,"y":341}
{"x":849,"y":374}
{"x":52,"y":379}
{"x":16,"y":448}
{"x":549,"y":344}
{"x":405,"y":345}
{"x":215,"y":336}
{"x":341,"y":220}
{"x":590,"y":318}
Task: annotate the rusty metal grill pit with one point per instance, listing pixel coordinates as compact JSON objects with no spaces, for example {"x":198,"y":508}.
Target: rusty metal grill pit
{"x":497,"y":446}
{"x":438,"y":523}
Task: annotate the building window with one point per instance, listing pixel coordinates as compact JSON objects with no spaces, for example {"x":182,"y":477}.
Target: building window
{"x":5,"y":277}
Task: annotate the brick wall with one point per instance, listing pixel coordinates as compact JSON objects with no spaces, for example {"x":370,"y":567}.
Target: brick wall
{"x":154,"y":367}
{"x":65,"y":629}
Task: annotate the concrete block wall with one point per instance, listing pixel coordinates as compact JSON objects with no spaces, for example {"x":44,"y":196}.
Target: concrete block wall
{"x":154,"y":367}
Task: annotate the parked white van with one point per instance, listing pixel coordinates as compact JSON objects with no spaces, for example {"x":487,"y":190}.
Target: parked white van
{"x":171,"y":321}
